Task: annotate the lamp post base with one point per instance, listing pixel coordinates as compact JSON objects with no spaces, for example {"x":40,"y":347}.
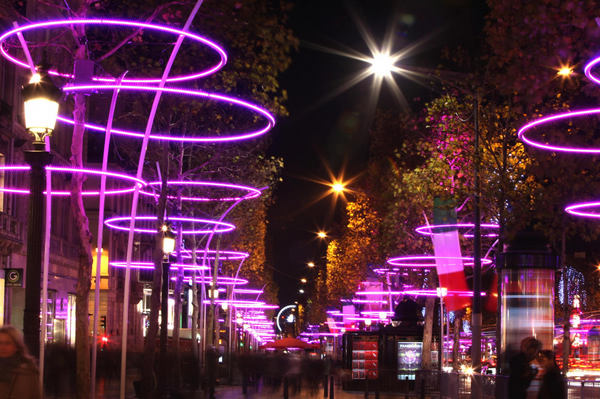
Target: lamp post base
{"x":38,"y":159}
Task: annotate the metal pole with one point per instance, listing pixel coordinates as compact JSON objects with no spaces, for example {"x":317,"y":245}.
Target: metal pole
{"x":99,"y":237}
{"x":37,"y":158}
{"x":566,"y":308}
{"x":46,"y":266}
{"x":476,"y":317}
{"x":134,"y":202}
{"x":164,"y":325}
{"x":441,"y":347}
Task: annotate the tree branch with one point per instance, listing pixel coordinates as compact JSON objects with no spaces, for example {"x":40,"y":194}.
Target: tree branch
{"x":137,"y":31}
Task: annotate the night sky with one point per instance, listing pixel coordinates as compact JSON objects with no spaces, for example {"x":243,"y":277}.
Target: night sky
{"x":323,"y":132}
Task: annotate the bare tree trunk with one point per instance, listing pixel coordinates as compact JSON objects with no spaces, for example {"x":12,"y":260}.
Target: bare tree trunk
{"x":84,"y":273}
{"x":178,"y":281}
{"x":148,"y":375}
{"x":212,"y":315}
{"x":456,"y":345}
{"x":194,"y":306}
{"x":428,"y":332}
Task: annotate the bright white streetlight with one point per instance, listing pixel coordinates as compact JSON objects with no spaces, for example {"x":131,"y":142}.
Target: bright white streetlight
{"x":40,"y":98}
{"x":382,"y":65}
{"x":168,"y":242}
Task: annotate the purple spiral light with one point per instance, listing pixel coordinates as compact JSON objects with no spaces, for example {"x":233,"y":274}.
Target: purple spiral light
{"x":415,"y":293}
{"x":370,"y":301}
{"x":578,"y":209}
{"x":552,"y":118}
{"x":211,"y":254}
{"x":220,"y":227}
{"x":434,"y":293}
{"x":428,"y":261}
{"x":243,"y":304}
{"x":221,"y":280}
{"x":247,"y":291}
{"x":588,"y":70}
{"x":270,"y":120}
{"x":150,"y":265}
{"x":378,"y":313}
{"x":122,"y":23}
{"x":250,"y":191}
{"x":70,"y":170}
{"x":428,"y":230}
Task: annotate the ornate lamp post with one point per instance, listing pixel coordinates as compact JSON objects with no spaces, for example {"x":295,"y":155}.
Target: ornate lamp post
{"x":168,"y":244}
{"x":40,"y":98}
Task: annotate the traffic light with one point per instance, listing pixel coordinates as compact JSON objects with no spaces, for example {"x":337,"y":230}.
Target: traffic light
{"x":103,"y":323}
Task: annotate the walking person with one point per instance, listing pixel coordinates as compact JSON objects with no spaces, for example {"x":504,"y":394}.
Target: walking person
{"x":521,"y":372}
{"x":553,"y":382}
{"x":19,"y":376}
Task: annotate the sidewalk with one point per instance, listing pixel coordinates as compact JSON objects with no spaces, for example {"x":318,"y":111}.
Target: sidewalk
{"x":111,"y":391}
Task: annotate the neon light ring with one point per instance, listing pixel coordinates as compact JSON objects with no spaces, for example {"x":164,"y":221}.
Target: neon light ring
{"x":588,"y":70}
{"x":119,"y":23}
{"x":70,"y":170}
{"x":580,"y":209}
{"x":244,"y":304}
{"x":221,"y":280}
{"x":250,"y":192}
{"x":220,"y":227}
{"x":429,"y":230}
{"x":211,"y":254}
{"x":228,"y":136}
{"x":434,"y":293}
{"x":150,"y":265}
{"x":429,"y":260}
{"x":558,"y":117}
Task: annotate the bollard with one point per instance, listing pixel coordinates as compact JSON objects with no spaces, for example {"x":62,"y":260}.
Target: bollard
{"x":331,"y":387}
{"x":325,"y":387}
{"x":285,"y":388}
{"x":367,"y":388}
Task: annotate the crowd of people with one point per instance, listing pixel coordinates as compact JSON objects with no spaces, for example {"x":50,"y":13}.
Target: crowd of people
{"x":19,"y":376}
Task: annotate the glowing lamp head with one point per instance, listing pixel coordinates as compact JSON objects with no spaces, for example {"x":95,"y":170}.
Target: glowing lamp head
{"x":40,"y":97}
{"x":168,"y":242}
{"x":312,"y":264}
{"x":565,"y":71}
{"x":382,"y":65}
{"x":303,"y":280}
{"x":321,"y":234}
{"x":338,"y":187}
{"x":301,"y":291}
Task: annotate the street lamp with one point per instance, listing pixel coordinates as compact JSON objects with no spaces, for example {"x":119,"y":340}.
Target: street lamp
{"x":321,"y":234}
{"x":168,"y":246}
{"x":303,"y":280}
{"x":338,"y":187}
{"x":168,"y":242}
{"x":40,"y":98}
{"x":312,"y":264}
